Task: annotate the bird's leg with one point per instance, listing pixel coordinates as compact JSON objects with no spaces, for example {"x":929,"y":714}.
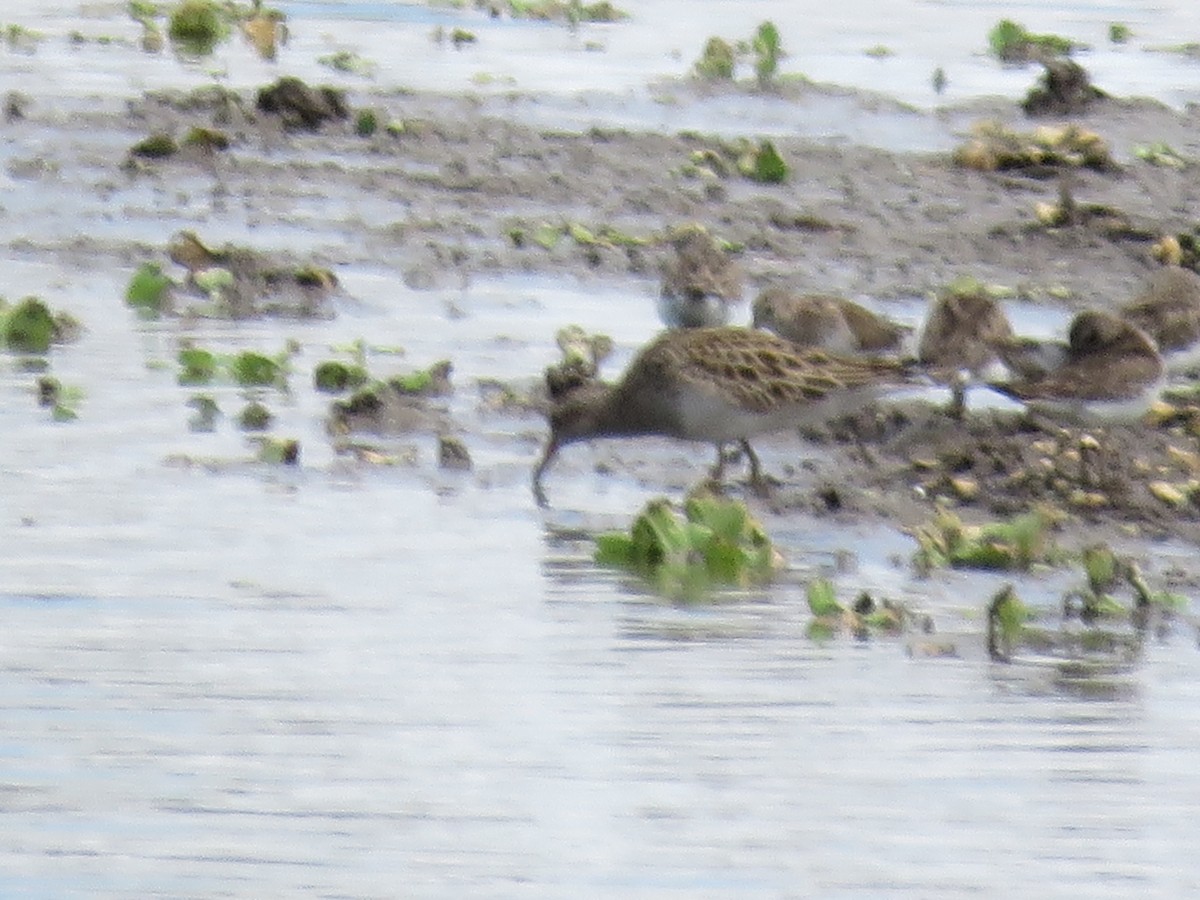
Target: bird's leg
{"x":757,"y":481}
{"x":958,"y":398}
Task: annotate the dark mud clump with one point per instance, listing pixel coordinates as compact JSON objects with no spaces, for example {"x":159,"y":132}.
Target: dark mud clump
{"x":398,"y":405}
{"x":913,"y":457}
{"x":300,"y":106}
{"x":1064,"y":90}
{"x":240,"y":283}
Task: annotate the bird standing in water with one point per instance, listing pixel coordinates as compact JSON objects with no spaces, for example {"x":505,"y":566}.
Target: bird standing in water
{"x":717,"y":385}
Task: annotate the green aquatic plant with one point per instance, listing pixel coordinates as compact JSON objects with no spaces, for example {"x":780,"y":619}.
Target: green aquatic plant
{"x":1007,"y":616}
{"x":1161,"y":154}
{"x":366,"y":122}
{"x":279,"y":451}
{"x":714,"y":542}
{"x":156,"y":146}
{"x":214,"y":281}
{"x":197,"y":366}
{"x":197,"y":26}
{"x":1019,"y":543}
{"x":334,"y":376}
{"x":1012,"y":43}
{"x":253,"y":369}
{"x":254,"y":417}
{"x":717,"y":62}
{"x":431,"y":382}
{"x":768,"y":49}
{"x":1119,"y":33}
{"x":206,"y":138}
{"x":762,"y":163}
{"x":28,"y":326}
{"x":149,"y":290}
{"x":347,"y":61}
{"x":207,"y":412}
{"x":61,"y":399}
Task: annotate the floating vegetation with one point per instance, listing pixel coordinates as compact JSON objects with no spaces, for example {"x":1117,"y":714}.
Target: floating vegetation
{"x":197,"y":26}
{"x":719,"y":58}
{"x":714,"y":542}
{"x":993,"y":147}
{"x":254,"y":417}
{"x":30,"y":327}
{"x":1011,"y":42}
{"x":149,"y":290}
{"x":279,"y":451}
{"x":207,"y":139}
{"x":768,"y":49}
{"x":248,"y":368}
{"x":882,"y":51}
{"x":1019,"y":543}
{"x":1119,"y":33}
{"x":366,"y":122}
{"x":861,"y":619}
{"x":348,"y":61}
{"x":460,"y":36}
{"x":571,"y":11}
{"x":717,"y":62}
{"x":548,"y":236}
{"x":156,"y":146}
{"x":431,"y":382}
{"x":61,"y":399}
{"x":252,"y":369}
{"x":21,"y":39}
{"x":335,"y":377}
{"x":759,"y":161}
{"x":763,"y":164}
{"x":1161,"y":154}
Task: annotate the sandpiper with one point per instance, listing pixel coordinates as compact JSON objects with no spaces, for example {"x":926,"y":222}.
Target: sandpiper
{"x":1111,"y":369}
{"x":700,"y":281}
{"x":717,"y":385}
{"x":1168,"y":309}
{"x":960,"y":340}
{"x":832,"y":323}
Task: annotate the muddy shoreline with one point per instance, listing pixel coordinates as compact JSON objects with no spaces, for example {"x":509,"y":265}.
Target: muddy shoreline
{"x":451,"y":191}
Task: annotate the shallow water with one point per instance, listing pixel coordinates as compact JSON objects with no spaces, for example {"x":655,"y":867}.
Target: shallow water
{"x":222,"y":678}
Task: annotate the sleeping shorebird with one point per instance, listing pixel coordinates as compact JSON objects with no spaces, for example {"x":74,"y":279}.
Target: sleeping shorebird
{"x":1108,"y":369}
{"x":1168,"y":309}
{"x":718,"y":385}
{"x":832,"y":323}
{"x":960,"y":340}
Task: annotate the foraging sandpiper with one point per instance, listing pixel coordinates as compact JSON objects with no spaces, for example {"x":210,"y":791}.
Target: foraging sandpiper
{"x":960,"y":340}
{"x":1111,"y":369}
{"x":832,"y":323}
{"x":718,"y":385}
{"x":1168,"y":309}
{"x":700,"y":281}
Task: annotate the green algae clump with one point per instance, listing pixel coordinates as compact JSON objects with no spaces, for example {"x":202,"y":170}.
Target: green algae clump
{"x":333,"y":376}
{"x":197,"y":26}
{"x":715,"y":542}
{"x":28,"y":327}
{"x":149,"y":290}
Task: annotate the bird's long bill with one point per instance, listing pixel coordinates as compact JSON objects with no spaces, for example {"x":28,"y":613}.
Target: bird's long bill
{"x":548,"y":455}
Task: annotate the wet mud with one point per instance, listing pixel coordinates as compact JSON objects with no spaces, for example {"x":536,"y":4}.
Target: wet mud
{"x":443,"y":191}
